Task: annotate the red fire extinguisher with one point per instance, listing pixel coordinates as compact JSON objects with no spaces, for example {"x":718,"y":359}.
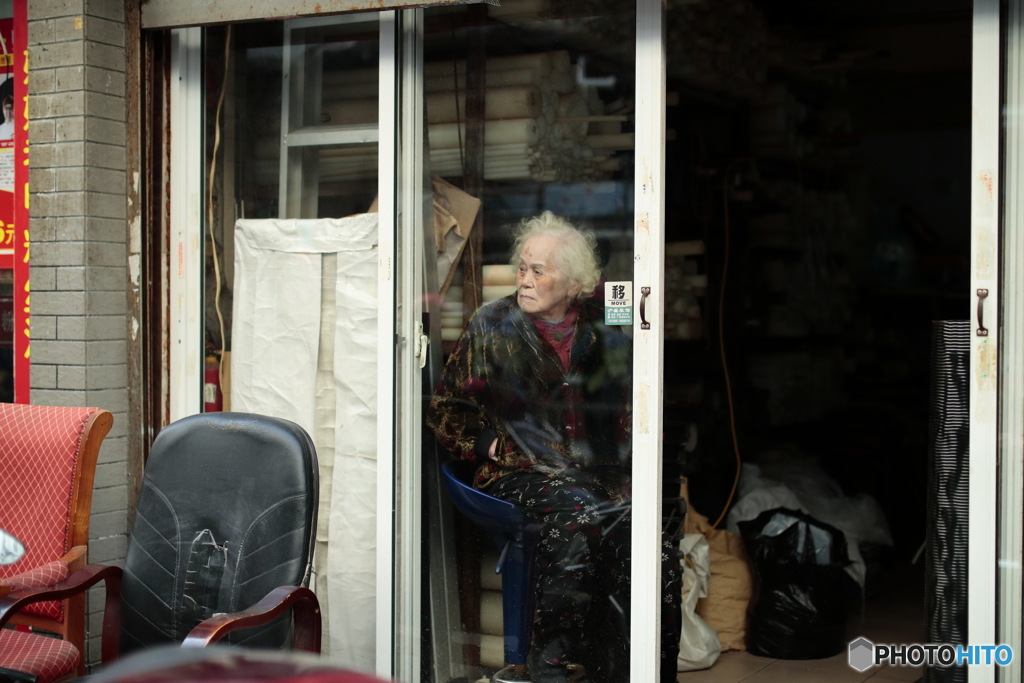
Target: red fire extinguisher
{"x":213,"y":402}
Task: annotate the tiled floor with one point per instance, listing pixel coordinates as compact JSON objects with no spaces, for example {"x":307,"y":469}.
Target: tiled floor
{"x":892,"y":616}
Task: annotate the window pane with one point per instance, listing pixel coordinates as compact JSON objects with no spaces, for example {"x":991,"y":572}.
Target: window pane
{"x":530,"y":124}
{"x":291,"y":278}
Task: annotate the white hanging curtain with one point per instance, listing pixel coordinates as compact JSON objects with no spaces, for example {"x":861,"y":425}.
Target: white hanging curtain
{"x":304,"y":348}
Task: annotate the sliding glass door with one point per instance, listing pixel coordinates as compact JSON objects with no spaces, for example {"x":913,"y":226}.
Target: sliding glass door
{"x":346,"y":192}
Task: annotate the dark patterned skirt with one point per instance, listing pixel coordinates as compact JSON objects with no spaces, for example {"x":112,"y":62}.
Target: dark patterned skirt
{"x":582,"y":578}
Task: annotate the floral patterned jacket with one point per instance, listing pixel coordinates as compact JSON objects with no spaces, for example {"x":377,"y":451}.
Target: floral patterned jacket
{"x":504,"y":381}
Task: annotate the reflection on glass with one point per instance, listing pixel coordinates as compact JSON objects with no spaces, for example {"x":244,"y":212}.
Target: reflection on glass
{"x":530,"y":111}
{"x":537,"y":392}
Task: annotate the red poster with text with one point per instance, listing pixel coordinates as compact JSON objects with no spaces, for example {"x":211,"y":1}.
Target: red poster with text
{"x":7,"y":60}
{"x":14,"y":195}
{"x":8,"y":278}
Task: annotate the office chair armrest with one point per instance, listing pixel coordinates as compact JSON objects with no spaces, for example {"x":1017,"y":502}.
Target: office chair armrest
{"x":306,"y":618}
{"x":79,"y":582}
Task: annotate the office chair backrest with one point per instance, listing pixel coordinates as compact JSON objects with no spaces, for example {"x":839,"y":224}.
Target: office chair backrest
{"x":226,"y":513}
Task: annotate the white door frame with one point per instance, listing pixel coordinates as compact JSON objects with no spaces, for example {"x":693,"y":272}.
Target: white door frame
{"x":184,"y":262}
{"x":386,"y":353}
{"x":984,"y":314}
{"x":648,"y":340}
{"x":400,"y":384}
{"x":1011,"y":357}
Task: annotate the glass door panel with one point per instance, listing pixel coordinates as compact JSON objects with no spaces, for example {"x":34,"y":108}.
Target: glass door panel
{"x":984,"y":354}
{"x":531,"y":127}
{"x":290,"y":253}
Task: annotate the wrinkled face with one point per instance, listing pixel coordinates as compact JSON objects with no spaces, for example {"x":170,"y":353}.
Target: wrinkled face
{"x":542,"y":289}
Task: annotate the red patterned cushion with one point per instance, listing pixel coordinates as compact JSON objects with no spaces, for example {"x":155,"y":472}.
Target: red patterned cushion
{"x":47,"y":658}
{"x":40,"y":577}
{"x":39,"y":448}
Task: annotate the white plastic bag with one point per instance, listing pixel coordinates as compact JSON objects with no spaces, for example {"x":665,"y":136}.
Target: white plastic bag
{"x":699,"y":645}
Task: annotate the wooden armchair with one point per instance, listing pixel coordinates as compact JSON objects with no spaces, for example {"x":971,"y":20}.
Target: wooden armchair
{"x":221,"y":545}
{"x":48,"y":460}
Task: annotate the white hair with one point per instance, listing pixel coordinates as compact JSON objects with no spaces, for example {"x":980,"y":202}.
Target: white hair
{"x":577,"y":259}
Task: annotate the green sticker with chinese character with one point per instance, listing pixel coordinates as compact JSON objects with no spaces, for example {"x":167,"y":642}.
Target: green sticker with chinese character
{"x":618,"y":303}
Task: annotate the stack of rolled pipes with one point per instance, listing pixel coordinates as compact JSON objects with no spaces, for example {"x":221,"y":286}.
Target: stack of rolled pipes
{"x":497,"y":281}
{"x":452,"y":314}
{"x":492,"y":624}
{"x":539,"y":124}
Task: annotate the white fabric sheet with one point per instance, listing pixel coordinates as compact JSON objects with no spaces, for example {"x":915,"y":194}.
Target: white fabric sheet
{"x":304,"y":347}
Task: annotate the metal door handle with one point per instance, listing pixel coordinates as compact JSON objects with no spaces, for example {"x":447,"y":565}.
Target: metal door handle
{"x":982,"y":330}
{"x":422,"y":345}
{"x":644,"y":293}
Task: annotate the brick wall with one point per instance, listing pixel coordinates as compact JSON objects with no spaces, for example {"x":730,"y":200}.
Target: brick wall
{"x":77,"y":132}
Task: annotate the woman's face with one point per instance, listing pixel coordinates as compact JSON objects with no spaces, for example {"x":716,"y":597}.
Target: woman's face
{"x":542,"y":289}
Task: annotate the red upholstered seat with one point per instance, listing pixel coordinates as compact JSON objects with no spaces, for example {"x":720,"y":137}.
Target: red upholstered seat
{"x":46,"y":658}
{"x":48,"y":459}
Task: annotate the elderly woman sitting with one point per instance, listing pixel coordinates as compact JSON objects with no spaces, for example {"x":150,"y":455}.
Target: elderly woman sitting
{"x":537,"y":391}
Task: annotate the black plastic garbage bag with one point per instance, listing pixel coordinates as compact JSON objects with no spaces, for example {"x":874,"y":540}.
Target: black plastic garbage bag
{"x":799,"y":610}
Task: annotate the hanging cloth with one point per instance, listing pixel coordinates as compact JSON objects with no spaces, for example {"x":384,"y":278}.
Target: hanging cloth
{"x":304,"y":348}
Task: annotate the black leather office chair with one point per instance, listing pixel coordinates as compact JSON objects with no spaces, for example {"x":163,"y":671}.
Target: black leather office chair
{"x":222,"y":542}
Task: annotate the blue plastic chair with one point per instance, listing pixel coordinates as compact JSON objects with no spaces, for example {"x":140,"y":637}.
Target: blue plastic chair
{"x":515,"y":535}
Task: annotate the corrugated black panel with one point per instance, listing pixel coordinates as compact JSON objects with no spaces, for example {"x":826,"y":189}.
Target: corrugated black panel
{"x":946,"y":548}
